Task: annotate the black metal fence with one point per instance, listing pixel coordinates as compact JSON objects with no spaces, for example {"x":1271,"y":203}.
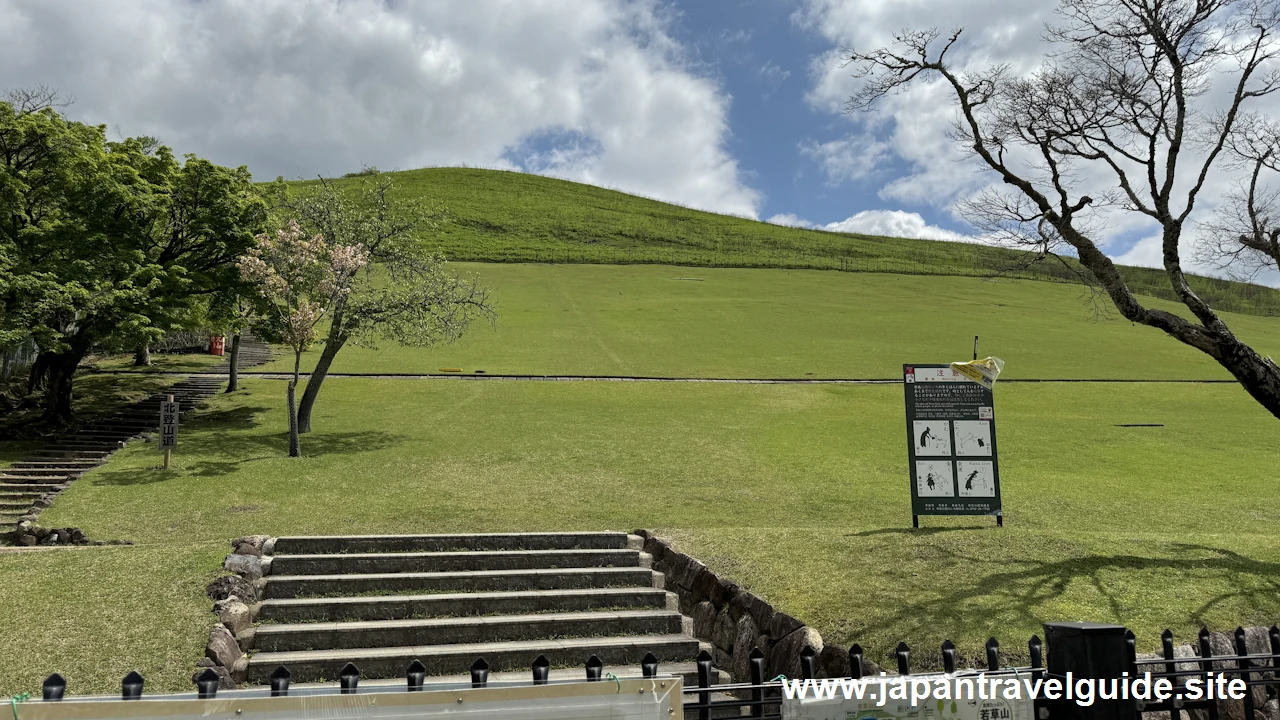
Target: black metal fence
{"x":1076,"y":652}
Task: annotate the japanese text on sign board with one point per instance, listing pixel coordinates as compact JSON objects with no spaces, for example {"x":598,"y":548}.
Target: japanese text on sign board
{"x":168,"y":425}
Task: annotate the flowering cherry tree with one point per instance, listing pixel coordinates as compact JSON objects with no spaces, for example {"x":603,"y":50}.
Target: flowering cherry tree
{"x":300,"y":279}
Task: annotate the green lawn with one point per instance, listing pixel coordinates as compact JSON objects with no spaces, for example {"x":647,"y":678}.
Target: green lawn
{"x":160,"y":363}
{"x":499,"y":216}
{"x":800,"y":492}
{"x":644,"y":320}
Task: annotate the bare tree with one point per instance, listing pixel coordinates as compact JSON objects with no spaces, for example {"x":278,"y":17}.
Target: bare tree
{"x":1120,"y":107}
{"x":1242,"y":238}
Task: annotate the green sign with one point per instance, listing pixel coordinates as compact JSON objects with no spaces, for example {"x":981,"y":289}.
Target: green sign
{"x":951,"y":444}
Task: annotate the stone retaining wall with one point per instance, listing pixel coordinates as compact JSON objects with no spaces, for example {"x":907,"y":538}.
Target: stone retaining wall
{"x":234,"y":598}
{"x":736,"y":621}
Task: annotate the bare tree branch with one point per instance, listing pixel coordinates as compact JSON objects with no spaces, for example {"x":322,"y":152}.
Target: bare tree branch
{"x":1122,"y":94}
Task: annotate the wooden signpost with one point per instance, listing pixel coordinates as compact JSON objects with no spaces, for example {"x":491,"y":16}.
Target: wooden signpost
{"x":168,"y":427}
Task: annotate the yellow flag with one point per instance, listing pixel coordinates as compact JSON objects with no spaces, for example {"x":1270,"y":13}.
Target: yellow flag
{"x":984,"y":371}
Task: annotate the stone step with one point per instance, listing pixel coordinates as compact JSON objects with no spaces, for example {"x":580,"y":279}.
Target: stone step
{"x":389,"y":662}
{"x":9,"y":506}
{"x":315,"y":545}
{"x":30,"y":487}
{"x":106,"y":445}
{"x":133,"y":430}
{"x":28,"y":496}
{"x":6,"y":479}
{"x":70,"y":463}
{"x":81,"y":454}
{"x":65,"y":471}
{"x":462,"y":630}
{"x":447,"y":561}
{"x":395,"y":607}
{"x":284,"y":586}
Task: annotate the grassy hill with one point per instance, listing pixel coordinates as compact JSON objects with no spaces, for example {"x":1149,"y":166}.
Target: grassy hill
{"x":500,"y":216}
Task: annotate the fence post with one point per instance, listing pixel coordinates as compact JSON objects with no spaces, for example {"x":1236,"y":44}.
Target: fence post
{"x":855,"y":661}
{"x":904,"y":658}
{"x":1244,"y":664}
{"x":756,"y":659}
{"x":808,"y":669}
{"x":649,"y":665}
{"x":348,"y":679}
{"x":595,"y":669}
{"x":280,"y":678}
{"x":541,"y":670}
{"x":207,"y":684}
{"x":131,"y":686}
{"x":415,"y":676}
{"x":1087,"y":651}
{"x":54,"y":688}
{"x":704,"y":681}
{"x":479,"y":673}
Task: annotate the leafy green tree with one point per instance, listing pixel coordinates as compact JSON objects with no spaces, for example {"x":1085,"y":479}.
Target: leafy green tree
{"x":107,"y":243}
{"x":406,"y":293}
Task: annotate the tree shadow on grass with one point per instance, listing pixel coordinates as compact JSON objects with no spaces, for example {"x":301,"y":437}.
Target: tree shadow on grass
{"x":220,"y":447}
{"x":1027,"y":590}
{"x":915,"y":531}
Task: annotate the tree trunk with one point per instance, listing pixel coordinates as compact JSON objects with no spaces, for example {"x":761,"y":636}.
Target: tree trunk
{"x":1259,"y":375}
{"x":62,"y":368}
{"x":331,"y":348}
{"x":295,"y":443}
{"x":142,"y":356}
{"x":233,"y":365}
{"x":38,"y":377}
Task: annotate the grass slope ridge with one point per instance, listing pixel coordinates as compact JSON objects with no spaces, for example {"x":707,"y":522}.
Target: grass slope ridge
{"x":503,"y":216}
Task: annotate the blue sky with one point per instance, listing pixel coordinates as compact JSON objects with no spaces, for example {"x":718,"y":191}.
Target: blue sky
{"x":762,"y":59}
{"x":732,"y":106}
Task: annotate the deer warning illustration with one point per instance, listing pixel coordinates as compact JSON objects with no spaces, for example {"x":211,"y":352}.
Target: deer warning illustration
{"x":934,"y":479}
{"x":973,"y":438}
{"x":933,"y":437}
{"x":975,"y":478}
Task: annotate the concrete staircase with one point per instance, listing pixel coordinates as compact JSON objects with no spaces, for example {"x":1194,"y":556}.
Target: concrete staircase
{"x":30,"y":485}
{"x":382,"y":602}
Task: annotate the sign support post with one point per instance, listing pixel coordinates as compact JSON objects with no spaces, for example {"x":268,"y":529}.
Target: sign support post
{"x":168,"y":428}
{"x":951,"y":444}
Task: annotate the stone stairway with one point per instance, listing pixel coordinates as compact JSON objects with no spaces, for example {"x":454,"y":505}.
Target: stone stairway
{"x":382,"y":602}
{"x":253,"y":352}
{"x":30,"y":485}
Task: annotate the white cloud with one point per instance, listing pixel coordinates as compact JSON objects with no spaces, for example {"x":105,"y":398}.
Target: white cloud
{"x":913,"y":124}
{"x":894,"y":223}
{"x":773,"y":77}
{"x":790,"y":220}
{"x":300,"y":88}
{"x":852,"y":158}
{"x":890,"y":223}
